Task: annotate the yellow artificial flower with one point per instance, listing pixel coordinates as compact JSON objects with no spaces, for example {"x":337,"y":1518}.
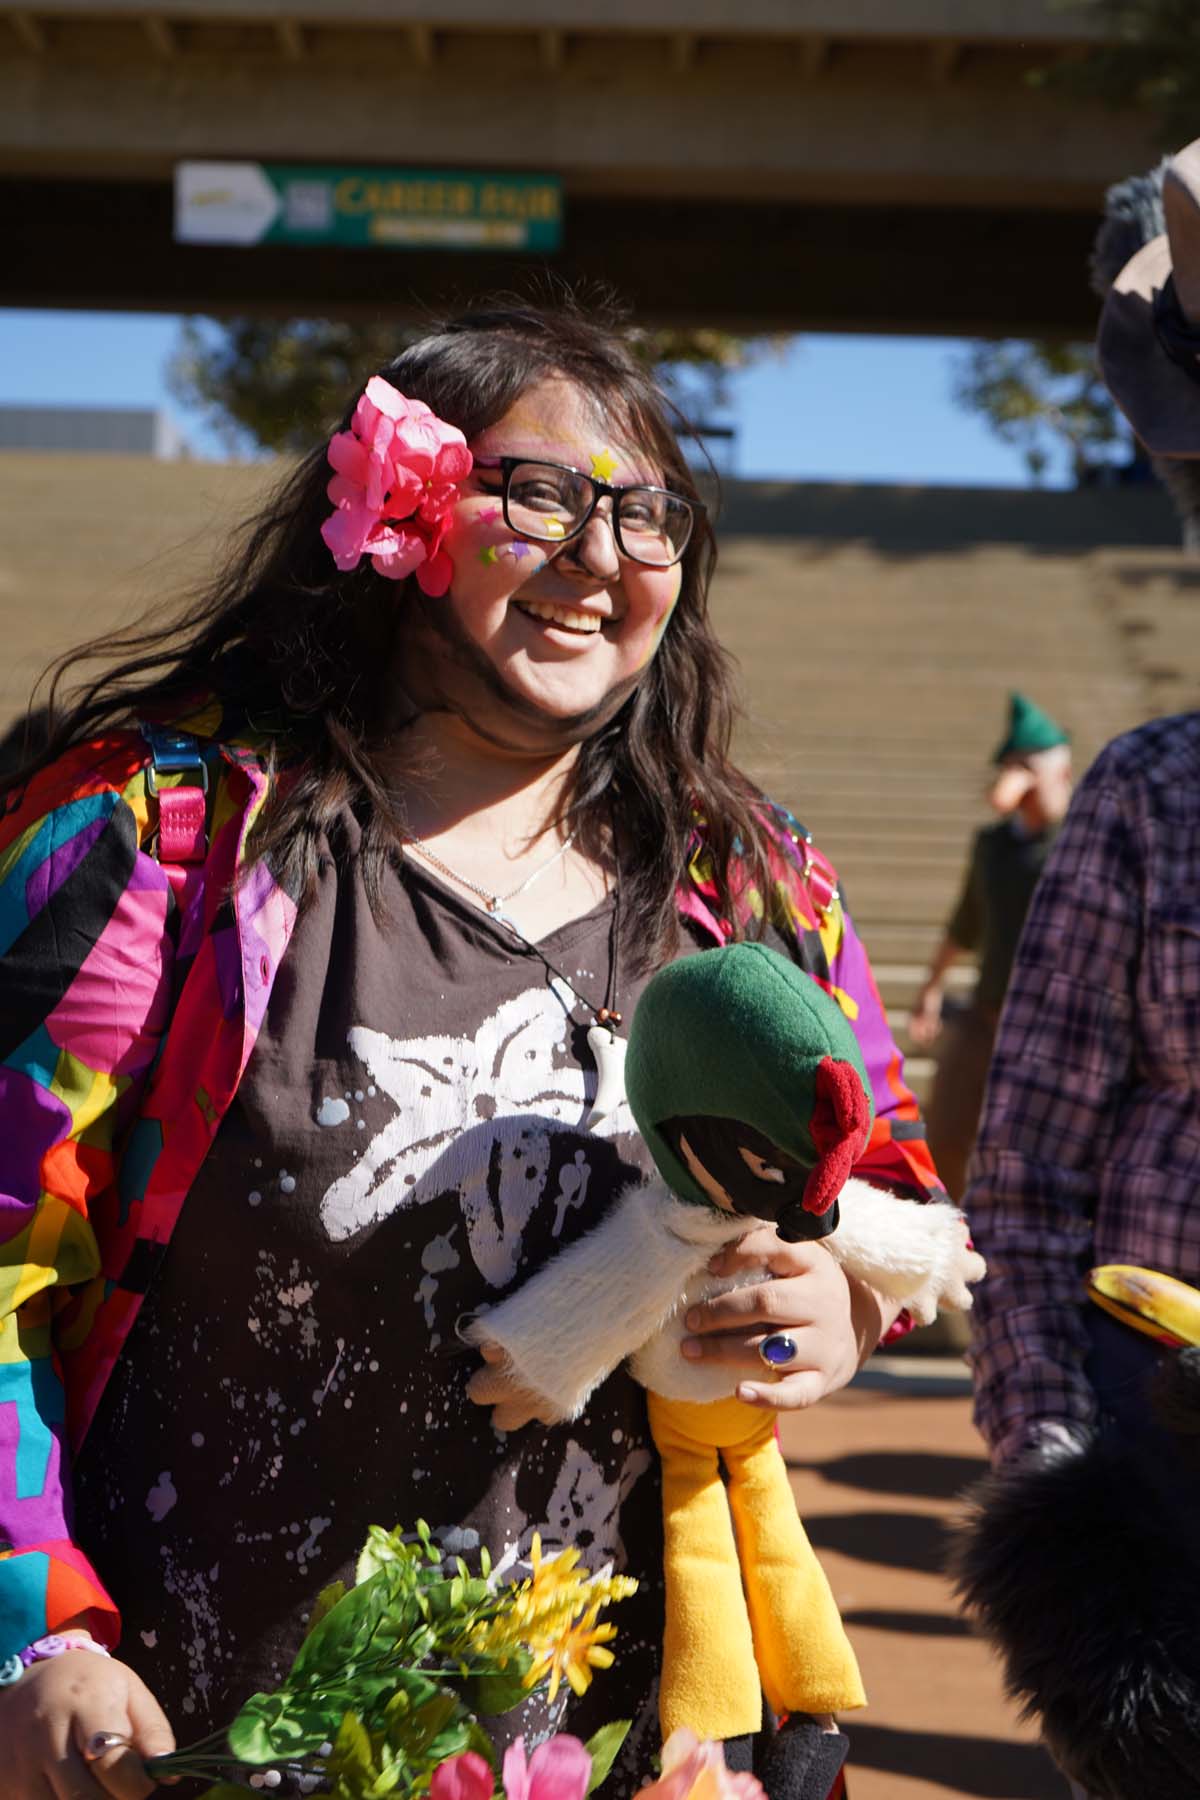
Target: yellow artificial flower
{"x":553,"y":1616}
{"x":574,"y":1653}
{"x":554,"y":1577}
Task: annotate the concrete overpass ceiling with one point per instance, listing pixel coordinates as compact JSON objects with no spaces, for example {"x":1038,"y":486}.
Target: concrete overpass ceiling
{"x":737,"y":122}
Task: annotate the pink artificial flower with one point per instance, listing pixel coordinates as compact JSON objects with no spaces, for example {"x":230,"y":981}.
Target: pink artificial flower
{"x":463,"y":1777}
{"x":397,"y":473}
{"x":696,"y":1771}
{"x":559,"y":1769}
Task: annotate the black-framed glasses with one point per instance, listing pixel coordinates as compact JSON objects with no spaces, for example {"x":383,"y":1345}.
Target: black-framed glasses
{"x":551,"y":503}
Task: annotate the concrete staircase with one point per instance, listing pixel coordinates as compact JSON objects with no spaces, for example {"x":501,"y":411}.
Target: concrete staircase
{"x":879,"y":631}
{"x":877,"y":666}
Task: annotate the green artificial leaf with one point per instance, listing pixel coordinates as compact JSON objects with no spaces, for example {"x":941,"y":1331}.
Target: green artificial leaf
{"x":499,"y":1690}
{"x":479,"y":1741}
{"x":373,"y":1615}
{"x":269,"y":1726}
{"x":452,"y":1742}
{"x":391,"y":1773}
{"x":447,"y":1598}
{"x":603,"y":1748}
{"x":430,"y":1720}
{"x":382,"y":1548}
{"x":224,"y":1790}
{"x":397,"y":1709}
{"x":293,"y":1721}
{"x":327,"y":1599}
{"x":386,"y":1701}
{"x":352,"y":1762}
{"x":420,"y":1643}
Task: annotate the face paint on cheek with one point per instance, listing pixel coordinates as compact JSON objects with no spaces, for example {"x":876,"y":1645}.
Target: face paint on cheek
{"x":487,"y":525}
{"x":659,"y":630}
{"x":522,"y":553}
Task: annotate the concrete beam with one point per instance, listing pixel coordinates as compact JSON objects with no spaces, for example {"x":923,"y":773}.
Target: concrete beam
{"x":779,"y":266}
{"x":291,"y":39}
{"x":552,"y":50}
{"x":816,"y":54}
{"x":422,"y":45}
{"x":683,"y":51}
{"x":160,"y":36}
{"x":983,"y":21}
{"x":945,"y":57}
{"x":30,"y":32}
{"x":862,"y":135}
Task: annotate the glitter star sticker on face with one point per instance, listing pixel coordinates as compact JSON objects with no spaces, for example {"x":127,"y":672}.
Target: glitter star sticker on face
{"x":604,"y":466}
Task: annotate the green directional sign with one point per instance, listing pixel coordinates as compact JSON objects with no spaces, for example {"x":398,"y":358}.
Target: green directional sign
{"x":365,"y":208}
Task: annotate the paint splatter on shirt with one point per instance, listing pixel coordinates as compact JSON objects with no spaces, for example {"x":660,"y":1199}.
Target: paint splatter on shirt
{"x":407,"y":1143}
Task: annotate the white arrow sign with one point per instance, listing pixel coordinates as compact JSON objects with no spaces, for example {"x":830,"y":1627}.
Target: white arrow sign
{"x":223,"y":203}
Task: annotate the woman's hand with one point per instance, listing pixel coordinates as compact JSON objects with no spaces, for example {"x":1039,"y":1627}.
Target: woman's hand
{"x":50,"y":1717}
{"x":496,"y":1386}
{"x":835,"y":1320}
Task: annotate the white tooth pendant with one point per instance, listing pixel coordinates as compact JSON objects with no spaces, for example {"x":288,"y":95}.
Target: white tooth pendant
{"x":609,"y":1052}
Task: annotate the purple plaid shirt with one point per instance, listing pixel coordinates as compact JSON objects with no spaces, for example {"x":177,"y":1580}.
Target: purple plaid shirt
{"x":1089,"y":1150}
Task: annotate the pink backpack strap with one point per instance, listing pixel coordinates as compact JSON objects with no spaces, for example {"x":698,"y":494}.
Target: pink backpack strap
{"x":182,"y":839}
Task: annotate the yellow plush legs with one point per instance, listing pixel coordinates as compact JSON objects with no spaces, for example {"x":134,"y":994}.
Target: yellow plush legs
{"x":709,"y":1678}
{"x":736,"y":1629}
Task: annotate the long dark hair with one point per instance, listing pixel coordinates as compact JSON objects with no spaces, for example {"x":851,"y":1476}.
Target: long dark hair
{"x":299,"y":652}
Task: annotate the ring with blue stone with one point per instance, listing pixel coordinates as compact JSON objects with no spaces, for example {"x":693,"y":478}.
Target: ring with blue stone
{"x":778,"y":1350}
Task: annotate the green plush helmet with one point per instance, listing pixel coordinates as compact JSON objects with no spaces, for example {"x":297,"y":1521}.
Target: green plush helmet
{"x":741,"y":1033}
{"x":1029,"y":730}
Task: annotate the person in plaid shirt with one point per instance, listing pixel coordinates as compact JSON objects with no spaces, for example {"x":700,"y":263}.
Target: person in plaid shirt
{"x":1089,"y":1151}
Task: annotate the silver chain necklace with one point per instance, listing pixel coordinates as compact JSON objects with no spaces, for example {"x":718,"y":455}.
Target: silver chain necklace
{"x":493,"y":903}
{"x":608,"y":1050}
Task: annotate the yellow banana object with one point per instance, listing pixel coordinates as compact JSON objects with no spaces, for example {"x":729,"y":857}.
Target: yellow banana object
{"x":1155,"y":1304}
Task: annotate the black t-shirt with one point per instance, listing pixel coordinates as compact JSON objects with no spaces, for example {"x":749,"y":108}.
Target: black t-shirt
{"x":408,"y":1142}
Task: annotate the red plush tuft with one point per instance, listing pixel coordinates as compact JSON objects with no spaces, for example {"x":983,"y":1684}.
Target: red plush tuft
{"x":840,"y":1126}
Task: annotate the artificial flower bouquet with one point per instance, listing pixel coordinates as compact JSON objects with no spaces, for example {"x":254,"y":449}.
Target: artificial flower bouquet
{"x":386,"y":1692}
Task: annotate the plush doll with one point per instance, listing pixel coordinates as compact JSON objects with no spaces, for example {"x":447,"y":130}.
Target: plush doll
{"x":1081,"y":1564}
{"x":748,"y":1086}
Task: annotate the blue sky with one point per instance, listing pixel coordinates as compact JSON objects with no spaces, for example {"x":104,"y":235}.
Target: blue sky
{"x":828,"y":409}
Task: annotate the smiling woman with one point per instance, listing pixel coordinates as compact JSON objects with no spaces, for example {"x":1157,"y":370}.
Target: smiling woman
{"x":329,"y":899}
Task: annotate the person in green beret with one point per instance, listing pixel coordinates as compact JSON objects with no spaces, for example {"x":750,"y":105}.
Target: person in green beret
{"x":1031,"y":791}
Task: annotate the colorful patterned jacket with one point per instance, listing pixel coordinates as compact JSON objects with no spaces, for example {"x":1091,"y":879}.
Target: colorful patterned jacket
{"x":131,"y":993}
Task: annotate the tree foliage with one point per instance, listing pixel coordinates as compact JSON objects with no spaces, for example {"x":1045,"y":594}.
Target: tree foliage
{"x":281,"y":384}
{"x":1150,"y":58}
{"x":1043,"y":398}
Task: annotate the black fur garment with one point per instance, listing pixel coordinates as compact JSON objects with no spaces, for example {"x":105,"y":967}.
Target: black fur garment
{"x":1083,"y":1569}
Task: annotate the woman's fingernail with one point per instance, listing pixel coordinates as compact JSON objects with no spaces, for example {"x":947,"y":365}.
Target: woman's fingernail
{"x":747,"y":1393}
{"x":692,"y":1321}
{"x":692,"y":1349}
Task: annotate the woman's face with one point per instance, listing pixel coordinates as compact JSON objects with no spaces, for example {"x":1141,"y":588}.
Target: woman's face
{"x":537,"y":646}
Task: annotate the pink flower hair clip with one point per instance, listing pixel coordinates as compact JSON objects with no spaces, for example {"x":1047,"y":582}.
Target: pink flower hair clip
{"x":398,"y":472}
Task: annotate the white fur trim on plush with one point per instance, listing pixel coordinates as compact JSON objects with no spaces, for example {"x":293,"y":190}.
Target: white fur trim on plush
{"x":624,"y":1288}
{"x":914,"y":1251}
{"x":588,"y":1309}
